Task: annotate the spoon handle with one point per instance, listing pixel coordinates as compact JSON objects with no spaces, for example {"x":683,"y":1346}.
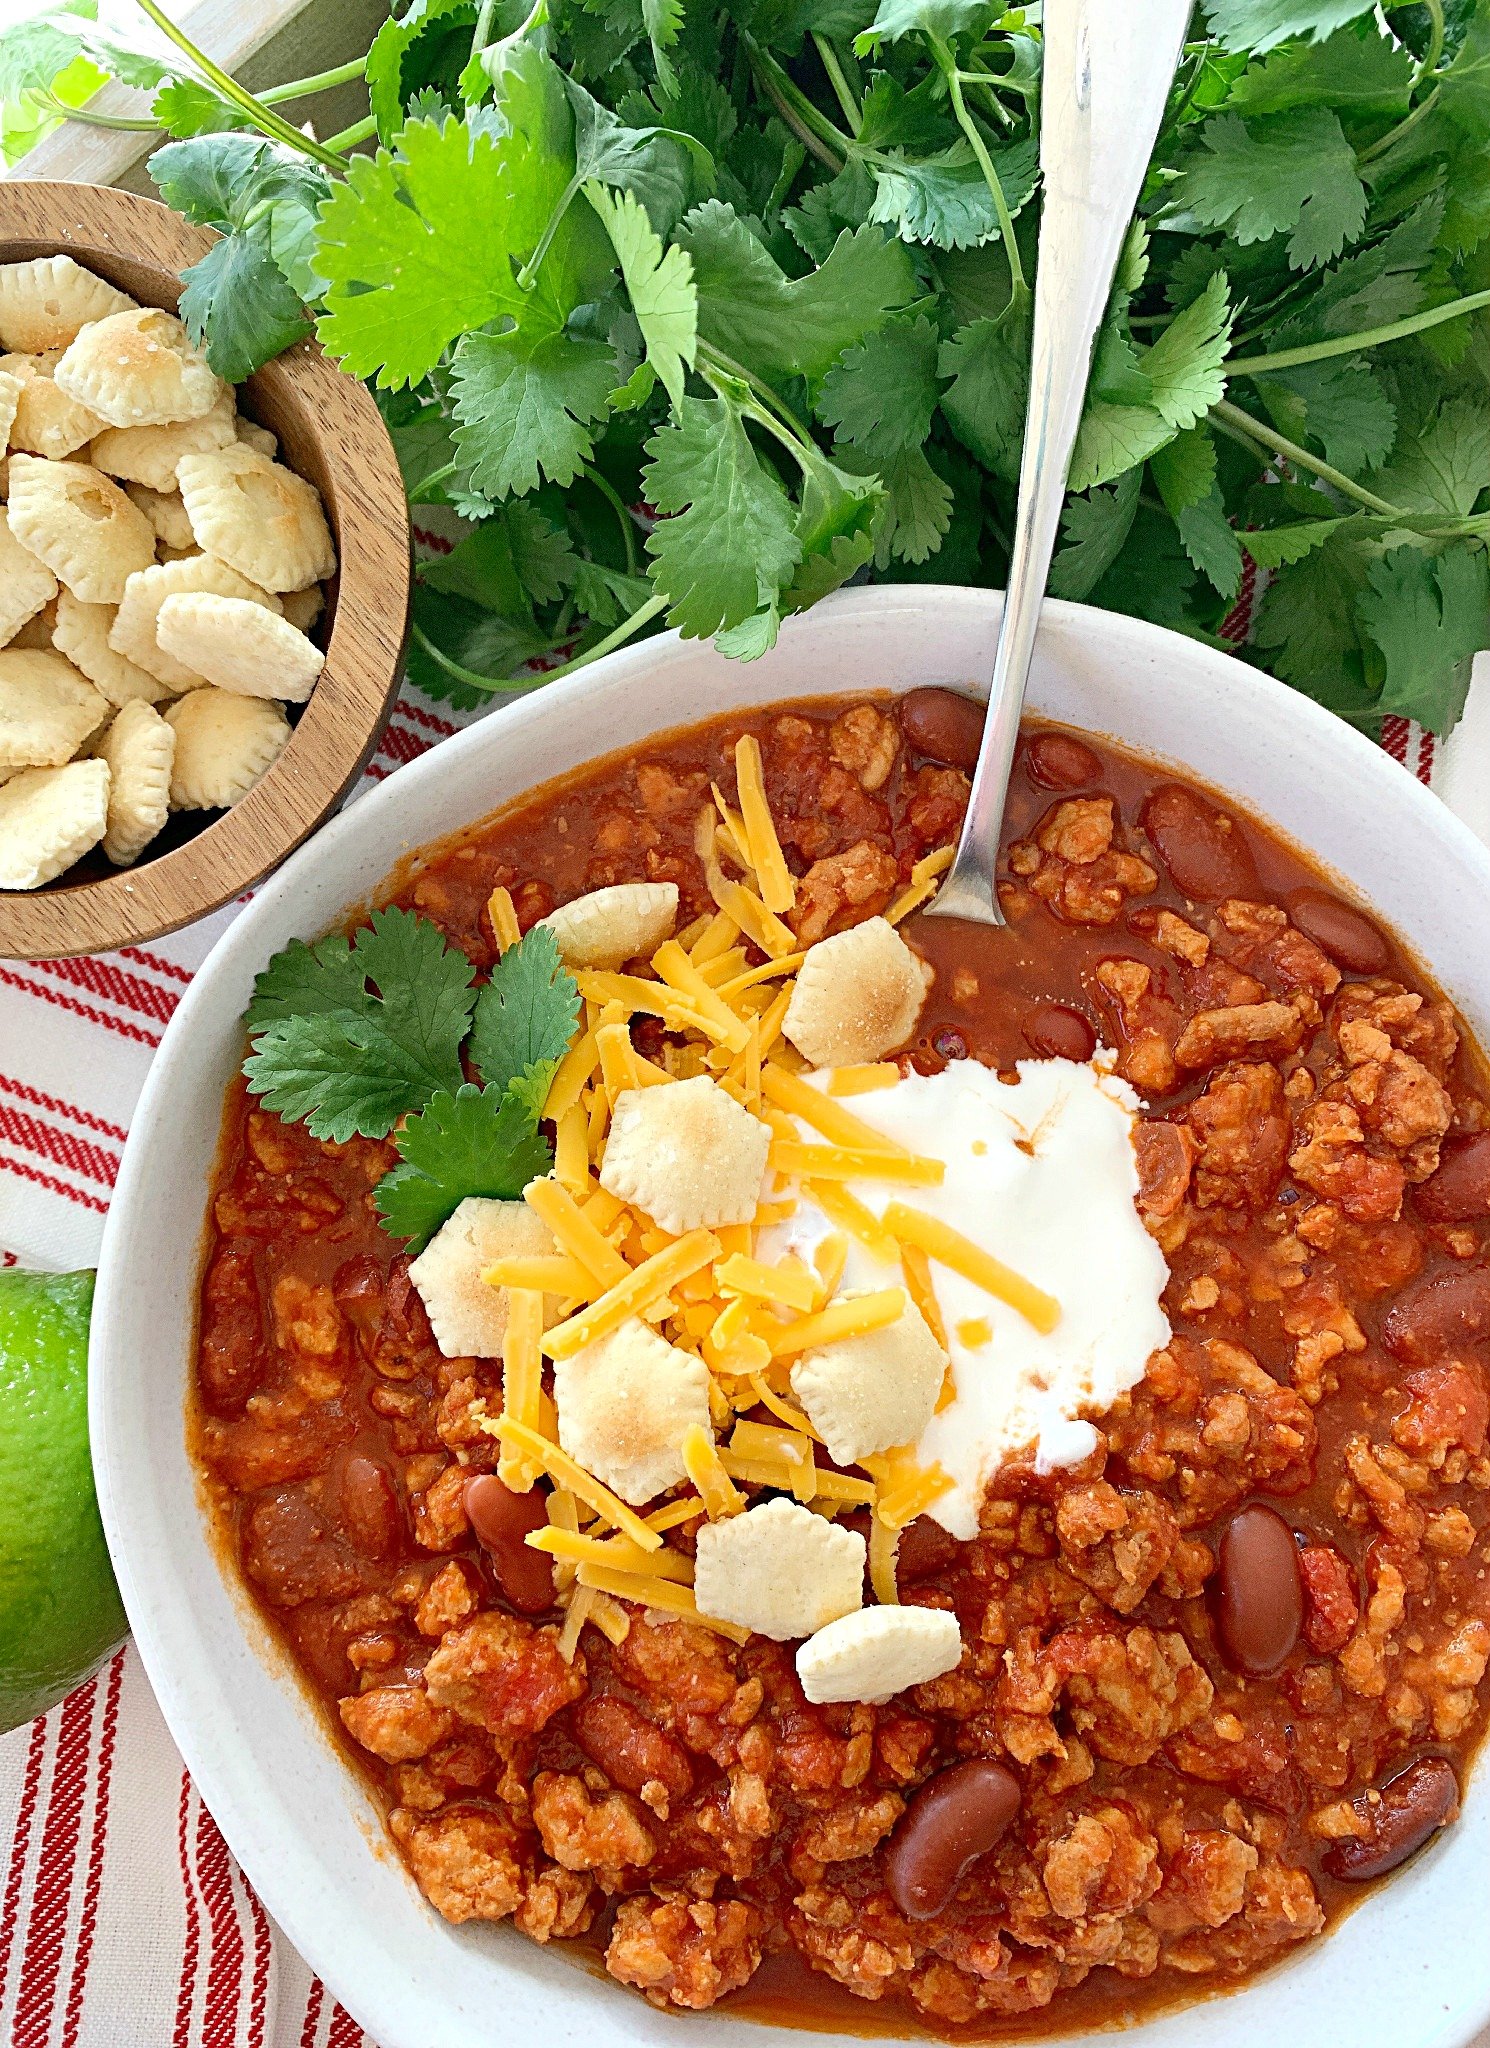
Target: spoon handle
{"x":1108,"y":67}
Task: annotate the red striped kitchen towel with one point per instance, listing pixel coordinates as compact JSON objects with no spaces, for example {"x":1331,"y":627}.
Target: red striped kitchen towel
{"x":125,"y":1922}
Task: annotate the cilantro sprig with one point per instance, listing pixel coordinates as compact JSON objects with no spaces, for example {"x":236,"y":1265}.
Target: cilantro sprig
{"x":696,"y":313}
{"x":367,"y":1036}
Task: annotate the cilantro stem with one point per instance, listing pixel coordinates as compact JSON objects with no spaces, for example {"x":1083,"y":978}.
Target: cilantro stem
{"x":853,"y":113}
{"x":613,"y":498}
{"x":52,"y":105}
{"x":1383,"y":143}
{"x":1242,"y":426}
{"x":512,"y":685}
{"x":1434,"y":50}
{"x":482,"y":31}
{"x":617,"y":637}
{"x":319,"y":81}
{"x":811,"y":127}
{"x":358,"y":132}
{"x":995,"y":104}
{"x":1348,"y":344}
{"x":943,"y":54}
{"x":469,"y":676}
{"x":708,"y":353}
{"x":419,"y":492}
{"x":555,"y":221}
{"x":263,"y":118}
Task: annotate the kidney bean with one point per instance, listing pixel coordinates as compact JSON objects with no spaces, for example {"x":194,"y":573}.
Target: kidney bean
{"x":1259,"y":1594}
{"x":1056,"y":1033}
{"x":1340,"y":930}
{"x":925,"y":1547}
{"x":357,"y":1289}
{"x":1204,"y":854}
{"x":955,"y":1818}
{"x":233,"y":1358}
{"x":370,"y":1511}
{"x":1406,"y":1811}
{"x":501,"y":1519}
{"x":943,"y":726}
{"x":631,"y":1750}
{"x":1056,"y":760}
{"x":1460,"y":1188}
{"x":1448,"y":1315}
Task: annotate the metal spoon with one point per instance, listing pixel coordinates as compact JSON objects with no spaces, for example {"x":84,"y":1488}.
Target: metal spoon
{"x":1108,"y":67}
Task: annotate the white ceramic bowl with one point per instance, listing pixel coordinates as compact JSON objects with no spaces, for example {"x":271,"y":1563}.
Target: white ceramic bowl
{"x":1409,"y":1969}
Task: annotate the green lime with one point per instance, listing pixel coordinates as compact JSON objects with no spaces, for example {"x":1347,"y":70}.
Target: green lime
{"x":60,"y":1612}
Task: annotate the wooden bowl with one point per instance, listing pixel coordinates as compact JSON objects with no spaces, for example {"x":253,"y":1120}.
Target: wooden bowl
{"x":330,"y":431}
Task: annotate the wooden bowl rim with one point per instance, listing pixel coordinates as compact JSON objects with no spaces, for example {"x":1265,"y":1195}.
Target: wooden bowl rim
{"x":341,"y":723}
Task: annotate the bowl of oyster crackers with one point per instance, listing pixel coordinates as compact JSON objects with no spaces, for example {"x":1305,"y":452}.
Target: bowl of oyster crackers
{"x":203,"y":587}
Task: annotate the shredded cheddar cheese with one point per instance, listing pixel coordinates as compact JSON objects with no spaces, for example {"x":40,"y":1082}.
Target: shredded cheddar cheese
{"x":575,"y":1232}
{"x":788,"y":1283}
{"x":567,"y":1471}
{"x":950,"y":1248}
{"x":503,"y":919}
{"x":778,"y":890}
{"x":851,"y":1318}
{"x":837,"y":1162}
{"x":922,"y":885}
{"x":862,"y":1080}
{"x":664,"y":1595}
{"x":716,"y":1490}
{"x":642,"y":1287}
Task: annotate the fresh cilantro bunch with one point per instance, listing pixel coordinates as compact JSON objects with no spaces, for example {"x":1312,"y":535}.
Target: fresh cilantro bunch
{"x":363,"y":1036}
{"x":698,"y":313}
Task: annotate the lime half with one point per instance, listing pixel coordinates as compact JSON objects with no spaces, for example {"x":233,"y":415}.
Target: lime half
{"x":60,"y":1612}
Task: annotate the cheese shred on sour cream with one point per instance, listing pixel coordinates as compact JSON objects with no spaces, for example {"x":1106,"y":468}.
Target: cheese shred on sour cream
{"x":1041,"y":1175}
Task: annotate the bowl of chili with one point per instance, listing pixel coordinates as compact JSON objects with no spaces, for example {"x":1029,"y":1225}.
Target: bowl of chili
{"x":1222,"y":1832}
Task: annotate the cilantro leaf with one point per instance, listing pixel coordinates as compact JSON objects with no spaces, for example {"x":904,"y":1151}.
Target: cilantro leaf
{"x":186,"y":108}
{"x":650,"y":162}
{"x":1351,"y":72}
{"x":306,"y":981}
{"x":1341,"y":404}
{"x":606,"y":595}
{"x":349,"y":1036}
{"x":1184,"y":374}
{"x":1185,"y":472}
{"x":732,"y":543}
{"x":239,"y":301}
{"x":944,"y":18}
{"x":880,"y":395}
{"x":660,"y":286}
{"x":403,"y":51}
{"x":1095,"y":527}
{"x":1291,"y":173}
{"x":477,"y":640}
{"x":1446,"y":465}
{"x":790,"y":326}
{"x":525,"y":1018}
{"x":988,"y":363}
{"x":1306,"y":621}
{"x":1428,"y":616}
{"x":1263,"y":24}
{"x":246,"y":297}
{"x":917,"y":513}
{"x":339,"y":1072}
{"x":477,"y":1141}
{"x":526,"y":403}
{"x":419,"y":245}
{"x":945,"y":200}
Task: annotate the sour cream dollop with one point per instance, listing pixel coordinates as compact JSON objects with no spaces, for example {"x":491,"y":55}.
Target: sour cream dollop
{"x":1042,"y":1174}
